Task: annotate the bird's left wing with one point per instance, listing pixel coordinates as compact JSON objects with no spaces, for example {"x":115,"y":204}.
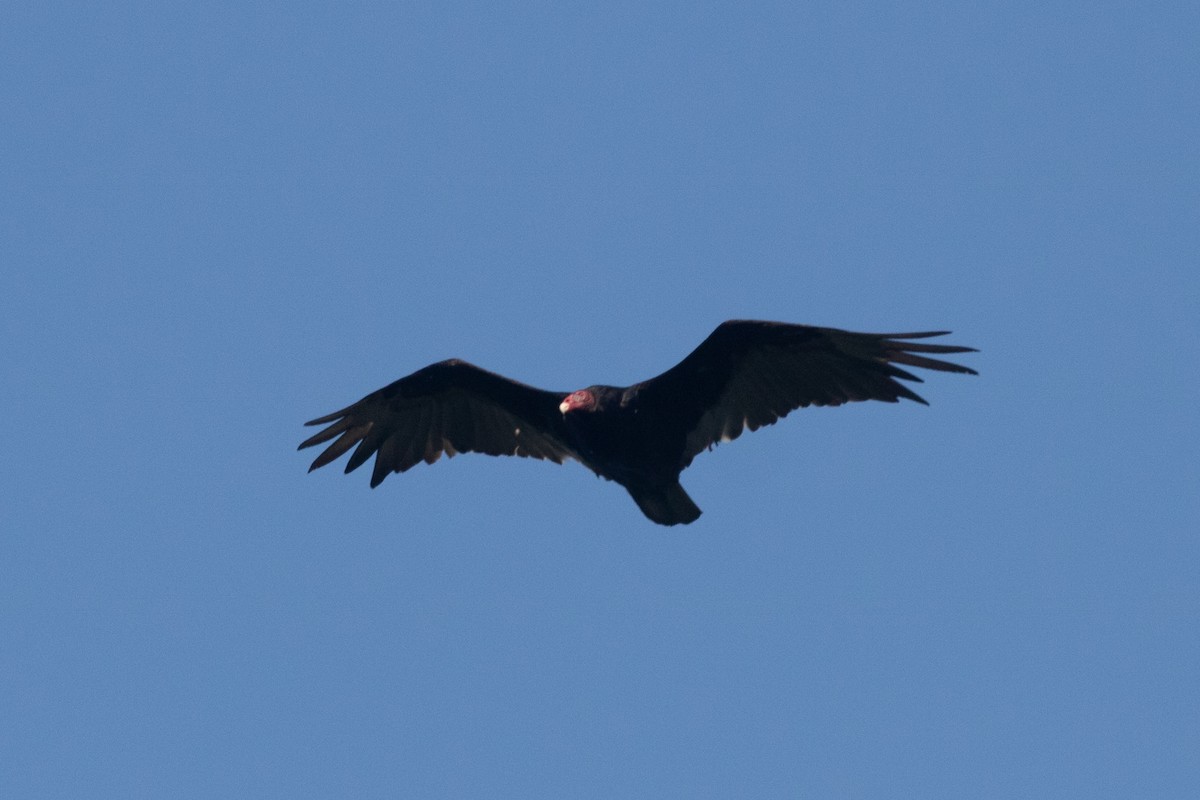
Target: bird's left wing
{"x":748,"y":373}
{"x":449,"y":407}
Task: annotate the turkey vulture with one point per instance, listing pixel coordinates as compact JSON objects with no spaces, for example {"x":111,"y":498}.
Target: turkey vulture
{"x":746,"y":374}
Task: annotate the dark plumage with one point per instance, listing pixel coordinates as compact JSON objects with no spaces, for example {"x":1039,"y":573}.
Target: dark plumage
{"x":746,"y":374}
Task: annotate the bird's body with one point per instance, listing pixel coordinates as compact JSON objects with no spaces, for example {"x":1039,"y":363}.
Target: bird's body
{"x":746,"y":374}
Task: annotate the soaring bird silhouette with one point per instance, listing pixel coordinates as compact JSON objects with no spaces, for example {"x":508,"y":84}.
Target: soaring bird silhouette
{"x":746,"y":374}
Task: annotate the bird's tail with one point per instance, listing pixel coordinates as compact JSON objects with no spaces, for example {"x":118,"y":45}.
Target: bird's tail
{"x":666,"y":506}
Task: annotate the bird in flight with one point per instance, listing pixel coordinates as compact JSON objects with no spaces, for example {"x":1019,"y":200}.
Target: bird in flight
{"x":745,"y":375}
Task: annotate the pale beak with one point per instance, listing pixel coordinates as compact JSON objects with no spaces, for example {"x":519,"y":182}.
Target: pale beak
{"x":564,"y":406}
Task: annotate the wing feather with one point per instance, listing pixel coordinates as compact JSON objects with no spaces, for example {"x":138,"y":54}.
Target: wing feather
{"x":449,"y":407}
{"x":386,"y":460}
{"x":748,"y":374}
{"x":348,"y":439}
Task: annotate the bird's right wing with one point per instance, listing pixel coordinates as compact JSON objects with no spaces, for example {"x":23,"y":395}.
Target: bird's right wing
{"x":451,"y":407}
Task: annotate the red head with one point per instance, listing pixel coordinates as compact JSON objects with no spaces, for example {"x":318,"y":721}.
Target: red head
{"x":583,"y":400}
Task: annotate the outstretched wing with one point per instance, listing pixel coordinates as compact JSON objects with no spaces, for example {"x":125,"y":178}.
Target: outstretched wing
{"x":748,"y":374}
{"x":449,"y":407}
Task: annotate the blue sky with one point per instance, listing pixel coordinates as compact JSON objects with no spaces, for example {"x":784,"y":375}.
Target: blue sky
{"x":221,"y":221}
